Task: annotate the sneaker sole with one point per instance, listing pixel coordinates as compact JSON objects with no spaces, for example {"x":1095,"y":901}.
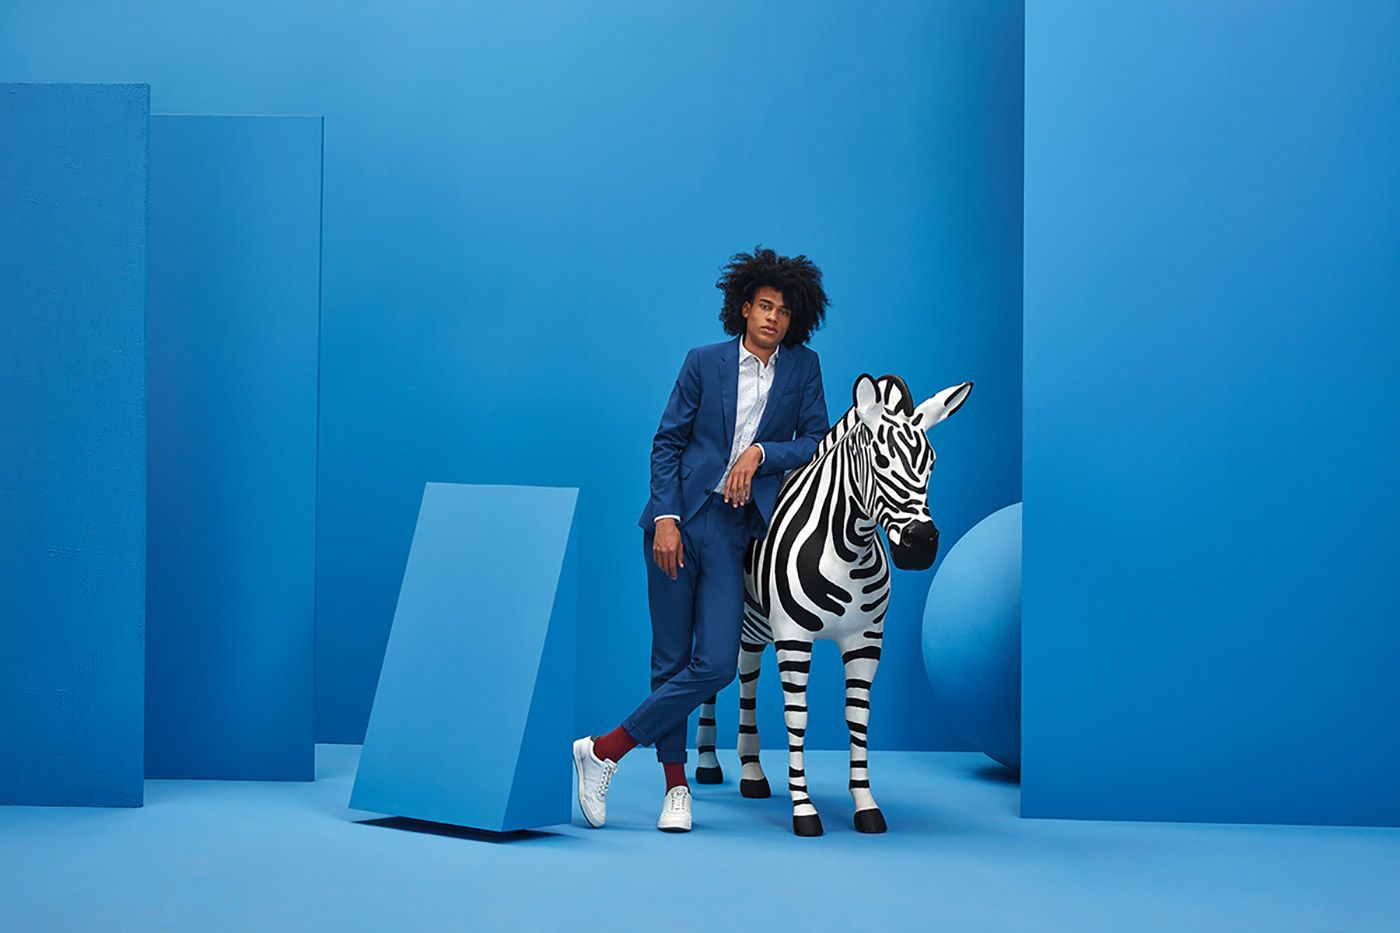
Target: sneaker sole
{"x":578,"y":772}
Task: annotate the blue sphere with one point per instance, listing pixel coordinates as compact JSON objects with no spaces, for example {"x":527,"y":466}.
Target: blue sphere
{"x":972,"y":635}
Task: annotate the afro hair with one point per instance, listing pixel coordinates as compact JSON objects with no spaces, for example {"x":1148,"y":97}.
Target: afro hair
{"x":796,"y":277}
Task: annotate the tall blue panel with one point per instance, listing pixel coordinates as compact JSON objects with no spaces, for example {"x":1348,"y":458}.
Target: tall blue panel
{"x":1212,"y":284}
{"x":72,"y":442}
{"x":473,"y":716}
{"x":235,"y":213}
{"x":519,"y":252}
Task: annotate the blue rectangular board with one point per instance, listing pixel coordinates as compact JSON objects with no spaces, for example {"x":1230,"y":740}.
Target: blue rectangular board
{"x":1211,"y":333}
{"x":235,"y":221}
{"x":473,"y":716}
{"x":72,"y":442}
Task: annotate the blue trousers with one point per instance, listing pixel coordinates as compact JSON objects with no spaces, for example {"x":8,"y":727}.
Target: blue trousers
{"x":695,"y":623}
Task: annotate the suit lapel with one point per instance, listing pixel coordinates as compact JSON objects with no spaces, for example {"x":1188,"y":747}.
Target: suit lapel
{"x":781,"y":377}
{"x":729,"y":390}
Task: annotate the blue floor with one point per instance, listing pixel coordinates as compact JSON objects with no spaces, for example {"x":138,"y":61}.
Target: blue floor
{"x":262,"y":856}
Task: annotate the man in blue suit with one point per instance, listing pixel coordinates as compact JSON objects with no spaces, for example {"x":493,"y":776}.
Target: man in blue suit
{"x":743,"y":412}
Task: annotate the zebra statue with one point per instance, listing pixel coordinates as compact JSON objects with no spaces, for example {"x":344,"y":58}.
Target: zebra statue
{"x":821,"y":571}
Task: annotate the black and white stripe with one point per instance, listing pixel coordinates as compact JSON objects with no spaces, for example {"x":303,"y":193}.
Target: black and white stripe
{"x":822,"y":571}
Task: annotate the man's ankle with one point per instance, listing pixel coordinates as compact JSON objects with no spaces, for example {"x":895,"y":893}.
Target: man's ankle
{"x":614,"y":745}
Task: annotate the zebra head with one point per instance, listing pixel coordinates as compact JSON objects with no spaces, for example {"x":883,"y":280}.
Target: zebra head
{"x":901,"y":461}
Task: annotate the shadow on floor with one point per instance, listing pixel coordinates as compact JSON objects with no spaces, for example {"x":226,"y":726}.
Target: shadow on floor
{"x":997,"y":773}
{"x":429,"y":827}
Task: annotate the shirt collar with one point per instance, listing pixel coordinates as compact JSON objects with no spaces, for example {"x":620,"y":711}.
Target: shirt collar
{"x":744,"y":352}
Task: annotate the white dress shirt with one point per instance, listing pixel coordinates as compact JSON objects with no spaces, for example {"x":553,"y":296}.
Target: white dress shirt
{"x":755,"y":379}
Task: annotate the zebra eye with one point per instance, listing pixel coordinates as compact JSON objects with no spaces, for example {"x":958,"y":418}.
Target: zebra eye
{"x":882,"y":460}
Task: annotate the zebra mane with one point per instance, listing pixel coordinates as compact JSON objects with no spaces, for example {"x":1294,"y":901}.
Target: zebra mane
{"x":893,"y":391}
{"x":838,"y":431}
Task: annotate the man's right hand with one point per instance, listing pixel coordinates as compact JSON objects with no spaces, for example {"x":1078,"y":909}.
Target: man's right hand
{"x":667,"y":550}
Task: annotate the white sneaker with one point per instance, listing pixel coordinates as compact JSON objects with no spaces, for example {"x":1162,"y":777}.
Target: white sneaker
{"x":594,"y":775}
{"x":675,"y":813}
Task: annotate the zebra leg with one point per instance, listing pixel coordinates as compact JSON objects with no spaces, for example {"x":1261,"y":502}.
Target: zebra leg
{"x":794,"y":664}
{"x":707,"y":770}
{"x":860,"y":657}
{"x":752,"y":781}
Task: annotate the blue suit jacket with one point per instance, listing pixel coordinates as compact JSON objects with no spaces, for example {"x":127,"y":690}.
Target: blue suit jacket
{"x":692,"y":443}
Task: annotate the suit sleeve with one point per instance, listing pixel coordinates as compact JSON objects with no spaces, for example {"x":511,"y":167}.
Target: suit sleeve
{"x":812,"y":425}
{"x":672,"y":434}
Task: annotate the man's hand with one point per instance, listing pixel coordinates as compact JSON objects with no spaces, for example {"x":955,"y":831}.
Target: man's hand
{"x":736,"y":489}
{"x":667,"y":550}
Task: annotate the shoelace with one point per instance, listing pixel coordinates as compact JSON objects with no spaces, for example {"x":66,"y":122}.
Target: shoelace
{"x":675,"y":801}
{"x":607,"y":778}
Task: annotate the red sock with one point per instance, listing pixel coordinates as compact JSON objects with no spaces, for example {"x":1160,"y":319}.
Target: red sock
{"x":614,"y":745}
{"x":675,"y":774}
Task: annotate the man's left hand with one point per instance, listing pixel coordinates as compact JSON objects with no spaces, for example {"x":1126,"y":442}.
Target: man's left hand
{"x":736,"y":489}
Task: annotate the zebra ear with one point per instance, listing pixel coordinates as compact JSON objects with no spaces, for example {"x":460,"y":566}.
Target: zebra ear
{"x":867,"y":401}
{"x":934,"y":410}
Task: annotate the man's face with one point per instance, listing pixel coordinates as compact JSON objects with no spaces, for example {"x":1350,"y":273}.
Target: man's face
{"x":768,"y":318}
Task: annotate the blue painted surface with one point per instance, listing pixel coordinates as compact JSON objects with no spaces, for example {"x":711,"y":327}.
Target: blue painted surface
{"x":956,"y":858}
{"x":526,"y":208}
{"x":972,"y":635}
{"x":540,"y":791}
{"x":235,"y":213}
{"x":473,"y":716}
{"x":72,"y":442}
{"x":1212,"y":279}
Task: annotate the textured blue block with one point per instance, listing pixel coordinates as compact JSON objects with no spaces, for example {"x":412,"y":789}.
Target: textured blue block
{"x":235,"y":250}
{"x":473,"y":717}
{"x":72,"y":442}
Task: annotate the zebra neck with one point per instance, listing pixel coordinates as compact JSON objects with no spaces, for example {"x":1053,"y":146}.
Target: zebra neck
{"x":842,"y":459}
{"x":855,"y":482}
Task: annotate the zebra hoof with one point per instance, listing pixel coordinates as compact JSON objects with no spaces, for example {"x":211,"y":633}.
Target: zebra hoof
{"x":755,"y":788}
{"x":705,"y":775}
{"x":870,"y":821}
{"x":807,"y":825}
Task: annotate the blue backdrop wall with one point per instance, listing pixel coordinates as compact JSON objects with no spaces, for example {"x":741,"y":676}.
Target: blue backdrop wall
{"x":1212,"y":278}
{"x":526,"y":207}
{"x":234,"y":281}
{"x":72,"y":443}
